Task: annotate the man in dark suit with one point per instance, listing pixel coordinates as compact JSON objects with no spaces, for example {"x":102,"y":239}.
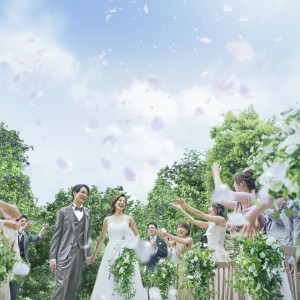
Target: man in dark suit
{"x":159,"y":246}
{"x":24,"y":238}
{"x":71,"y":244}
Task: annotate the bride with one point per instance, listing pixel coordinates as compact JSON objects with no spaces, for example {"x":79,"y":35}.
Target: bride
{"x":121,"y":229}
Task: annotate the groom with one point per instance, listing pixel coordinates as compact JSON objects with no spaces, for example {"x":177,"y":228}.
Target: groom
{"x":71,"y":244}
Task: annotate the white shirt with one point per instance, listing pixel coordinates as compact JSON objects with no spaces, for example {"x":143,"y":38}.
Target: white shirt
{"x":78,"y":213}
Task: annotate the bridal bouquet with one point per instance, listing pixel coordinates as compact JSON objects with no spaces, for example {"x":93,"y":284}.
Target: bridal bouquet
{"x":164,"y":276}
{"x":199,"y":267}
{"x":7,"y":260}
{"x":123,"y":269}
{"x":258,"y":266}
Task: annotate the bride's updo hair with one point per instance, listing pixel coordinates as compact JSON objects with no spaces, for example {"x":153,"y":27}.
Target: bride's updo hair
{"x":219,"y":209}
{"x":186,"y":226}
{"x":113,"y":204}
{"x":246,"y":176}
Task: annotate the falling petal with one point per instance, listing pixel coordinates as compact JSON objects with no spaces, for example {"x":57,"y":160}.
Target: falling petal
{"x":241,"y":51}
{"x":38,"y":93}
{"x":92,"y":125}
{"x":199,"y":111}
{"x":205,"y":75}
{"x":131,"y":243}
{"x":222,"y":193}
{"x":109,"y":138}
{"x":107,"y":18}
{"x":157,"y":123}
{"x":223,"y":82}
{"x":105,"y":162}
{"x":21,"y":269}
{"x":153,"y":161}
{"x":129,"y":174}
{"x":227,"y":8}
{"x":277,"y":40}
{"x":263,"y":194}
{"x":146,"y":9}
{"x":243,"y":19}
{"x":144,"y":251}
{"x":154,"y":293}
{"x":38,"y":122}
{"x":237,"y":219}
{"x":205,"y":40}
{"x":30,"y":40}
{"x":155,"y":81}
{"x":64,"y":164}
{"x":244,"y":91}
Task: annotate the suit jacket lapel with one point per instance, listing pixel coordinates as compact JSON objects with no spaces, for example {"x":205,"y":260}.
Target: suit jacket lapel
{"x":72,"y":216}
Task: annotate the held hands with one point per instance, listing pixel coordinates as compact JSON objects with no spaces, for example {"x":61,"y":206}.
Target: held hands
{"x":90,"y":259}
{"x":52,"y":266}
{"x":162,"y":232}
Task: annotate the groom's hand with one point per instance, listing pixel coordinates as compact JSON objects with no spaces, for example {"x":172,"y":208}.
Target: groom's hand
{"x":52,"y":266}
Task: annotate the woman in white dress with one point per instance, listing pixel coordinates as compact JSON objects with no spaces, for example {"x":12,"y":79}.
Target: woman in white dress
{"x":121,"y":230}
{"x":9,"y":235}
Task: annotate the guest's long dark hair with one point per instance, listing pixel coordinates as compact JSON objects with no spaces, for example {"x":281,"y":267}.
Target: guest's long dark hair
{"x":219,"y":209}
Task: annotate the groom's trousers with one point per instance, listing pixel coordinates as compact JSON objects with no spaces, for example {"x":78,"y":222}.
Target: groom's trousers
{"x":68,"y":274}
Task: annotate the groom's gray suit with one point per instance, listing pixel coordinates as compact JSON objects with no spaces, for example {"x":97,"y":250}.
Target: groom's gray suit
{"x":71,"y":245}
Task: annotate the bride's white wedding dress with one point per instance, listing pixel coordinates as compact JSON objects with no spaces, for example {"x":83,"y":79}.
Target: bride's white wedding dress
{"x":119,"y":234}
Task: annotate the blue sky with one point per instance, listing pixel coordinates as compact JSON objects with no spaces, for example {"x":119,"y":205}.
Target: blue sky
{"x":108,"y":92}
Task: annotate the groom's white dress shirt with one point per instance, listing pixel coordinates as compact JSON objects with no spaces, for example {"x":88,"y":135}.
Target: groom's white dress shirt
{"x":78,"y":213}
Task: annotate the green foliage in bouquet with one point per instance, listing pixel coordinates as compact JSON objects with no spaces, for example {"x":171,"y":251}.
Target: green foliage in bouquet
{"x":258,"y":267}
{"x":163,"y":277}
{"x":7,"y":260}
{"x":276,"y":163}
{"x":199,"y":267}
{"x":123,"y":270}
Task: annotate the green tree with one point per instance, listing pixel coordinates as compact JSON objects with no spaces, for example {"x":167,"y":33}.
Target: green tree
{"x":234,"y":139}
{"x":14,"y":185}
{"x":185,"y":179}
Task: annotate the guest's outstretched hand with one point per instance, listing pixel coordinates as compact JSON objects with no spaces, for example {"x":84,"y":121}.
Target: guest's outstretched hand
{"x":12,"y":224}
{"x":177,"y":206}
{"x":216,"y":168}
{"x":162,"y":231}
{"x":179,"y":201}
{"x":5,"y":215}
{"x":10,"y":209}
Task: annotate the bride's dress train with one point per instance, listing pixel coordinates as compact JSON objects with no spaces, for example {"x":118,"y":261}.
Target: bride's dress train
{"x":119,"y":234}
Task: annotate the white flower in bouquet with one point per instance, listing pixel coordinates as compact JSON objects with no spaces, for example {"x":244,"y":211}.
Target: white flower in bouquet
{"x":262,"y":255}
{"x":21,"y":269}
{"x":196,"y":258}
{"x":121,"y":271}
{"x":270,"y":240}
{"x":189,"y":277}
